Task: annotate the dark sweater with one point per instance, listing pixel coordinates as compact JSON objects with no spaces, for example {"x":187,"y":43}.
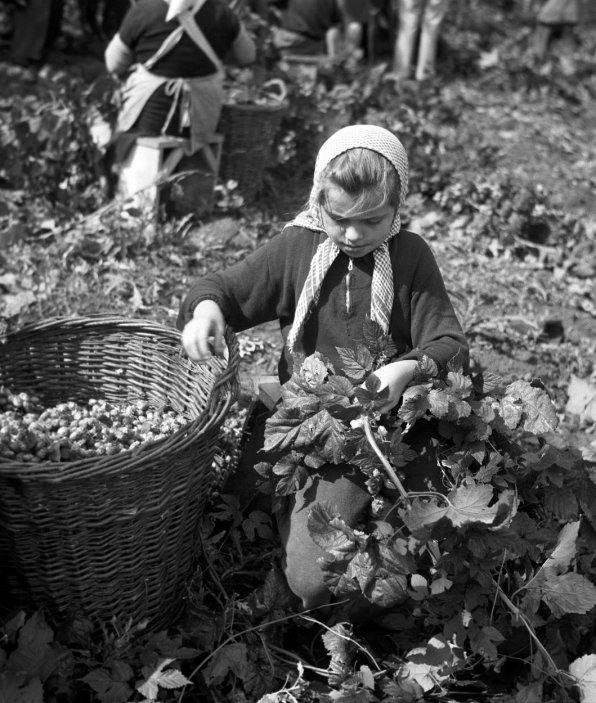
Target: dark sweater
{"x":144,"y":28}
{"x":267,"y":284}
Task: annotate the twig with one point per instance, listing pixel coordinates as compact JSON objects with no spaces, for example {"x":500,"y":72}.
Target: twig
{"x":522,"y":617}
{"x":348,"y":639}
{"x":386,"y":465}
{"x":231,"y":638}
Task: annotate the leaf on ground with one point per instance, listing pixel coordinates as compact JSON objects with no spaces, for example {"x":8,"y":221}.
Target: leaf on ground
{"x":584,"y":671}
{"x":35,"y":653}
{"x":162,"y":678}
{"x":568,"y":593}
{"x":581,"y":399}
{"x":229,"y":658}
{"x":482,"y":642}
{"x":108,"y":689}
{"x":561,"y":556}
{"x":20,"y":688}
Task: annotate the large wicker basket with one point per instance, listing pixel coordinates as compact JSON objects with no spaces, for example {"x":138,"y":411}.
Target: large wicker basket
{"x":249,"y":132}
{"x":112,"y":535}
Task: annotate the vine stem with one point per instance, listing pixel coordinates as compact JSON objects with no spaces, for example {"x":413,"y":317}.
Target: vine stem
{"x":522,"y":617}
{"x":386,"y":465}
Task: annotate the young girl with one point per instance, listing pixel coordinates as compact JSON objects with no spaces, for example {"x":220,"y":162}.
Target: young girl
{"x":343,"y":259}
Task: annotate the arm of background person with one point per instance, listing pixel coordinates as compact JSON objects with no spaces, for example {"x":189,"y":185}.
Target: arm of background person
{"x":244,"y":50}
{"x":118,"y":57}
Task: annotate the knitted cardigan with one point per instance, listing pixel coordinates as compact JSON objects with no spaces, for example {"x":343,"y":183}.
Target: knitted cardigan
{"x":266,"y":286}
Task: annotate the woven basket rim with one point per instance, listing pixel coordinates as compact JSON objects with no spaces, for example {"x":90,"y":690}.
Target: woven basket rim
{"x":249,"y":107}
{"x":218,"y":403}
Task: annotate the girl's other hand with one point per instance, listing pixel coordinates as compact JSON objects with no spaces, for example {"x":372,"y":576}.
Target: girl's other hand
{"x":396,"y":376}
{"x":204,"y":334}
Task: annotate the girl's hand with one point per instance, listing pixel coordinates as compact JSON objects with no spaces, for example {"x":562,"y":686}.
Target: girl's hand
{"x":396,"y":376}
{"x":204,"y":334}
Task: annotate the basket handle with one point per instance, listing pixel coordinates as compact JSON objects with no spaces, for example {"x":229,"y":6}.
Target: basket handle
{"x":278,"y":85}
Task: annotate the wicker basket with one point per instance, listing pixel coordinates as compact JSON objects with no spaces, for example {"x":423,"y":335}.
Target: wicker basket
{"x":248,"y":132}
{"x":111,"y":535}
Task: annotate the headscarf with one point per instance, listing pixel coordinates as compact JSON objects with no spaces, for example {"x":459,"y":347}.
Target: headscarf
{"x":388,"y":145}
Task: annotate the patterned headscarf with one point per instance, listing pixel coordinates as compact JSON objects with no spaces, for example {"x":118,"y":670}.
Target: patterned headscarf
{"x":388,"y":145}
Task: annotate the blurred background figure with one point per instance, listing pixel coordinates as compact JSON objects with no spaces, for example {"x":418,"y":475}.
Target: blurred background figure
{"x":555,"y":20}
{"x":346,"y":38}
{"x":102,"y":19}
{"x":36,"y":26}
{"x":419,"y":23}
{"x":172,"y":73}
{"x":322,"y":27}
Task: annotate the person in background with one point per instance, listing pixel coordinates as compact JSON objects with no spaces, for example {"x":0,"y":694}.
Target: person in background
{"x":344,"y":259}
{"x":322,"y":27}
{"x":554,"y":19}
{"x":36,"y":26}
{"x":419,"y":23}
{"x":169,"y":56}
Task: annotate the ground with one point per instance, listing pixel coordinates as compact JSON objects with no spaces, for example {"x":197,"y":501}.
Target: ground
{"x":503,"y":188}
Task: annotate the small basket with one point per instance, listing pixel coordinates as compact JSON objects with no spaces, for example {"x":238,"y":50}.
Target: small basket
{"x":111,"y":536}
{"x":249,"y":131}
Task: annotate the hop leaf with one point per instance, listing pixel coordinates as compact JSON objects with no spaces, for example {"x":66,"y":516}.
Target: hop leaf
{"x":170,"y":678}
{"x":537,"y":411}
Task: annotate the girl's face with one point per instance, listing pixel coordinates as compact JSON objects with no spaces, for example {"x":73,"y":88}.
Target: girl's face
{"x":355,"y":233}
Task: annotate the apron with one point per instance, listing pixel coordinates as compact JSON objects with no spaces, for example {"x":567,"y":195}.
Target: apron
{"x":200,"y":98}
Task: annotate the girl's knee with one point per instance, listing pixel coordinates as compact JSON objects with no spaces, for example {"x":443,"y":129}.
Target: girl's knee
{"x":307,"y":584}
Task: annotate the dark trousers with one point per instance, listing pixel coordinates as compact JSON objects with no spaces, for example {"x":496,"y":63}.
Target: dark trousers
{"x":36,"y":28}
{"x":341,"y":486}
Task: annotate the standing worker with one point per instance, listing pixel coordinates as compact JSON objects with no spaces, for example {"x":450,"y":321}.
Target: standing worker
{"x":419,"y":20}
{"x":170,"y":56}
